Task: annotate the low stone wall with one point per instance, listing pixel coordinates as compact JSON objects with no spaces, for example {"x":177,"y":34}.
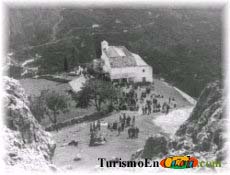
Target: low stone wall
{"x":52,"y":78}
{"x":91,"y":117}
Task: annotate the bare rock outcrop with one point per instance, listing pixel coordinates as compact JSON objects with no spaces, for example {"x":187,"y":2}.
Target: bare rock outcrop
{"x":204,"y":131}
{"x":28,"y":146}
{"x":202,"y":134}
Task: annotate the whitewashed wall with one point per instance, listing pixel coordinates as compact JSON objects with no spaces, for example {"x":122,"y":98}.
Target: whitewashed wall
{"x":132,"y":72}
{"x":106,"y":66}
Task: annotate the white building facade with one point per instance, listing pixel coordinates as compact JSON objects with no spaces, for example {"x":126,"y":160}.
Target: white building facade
{"x":121,"y":64}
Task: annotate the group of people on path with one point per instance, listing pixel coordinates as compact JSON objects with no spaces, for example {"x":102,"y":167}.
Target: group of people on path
{"x":153,"y":105}
{"x":124,"y":122}
{"x":96,"y":137}
{"x":146,"y":100}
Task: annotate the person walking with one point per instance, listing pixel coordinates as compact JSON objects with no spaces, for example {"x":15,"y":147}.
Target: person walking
{"x":133,"y":121}
{"x":91,"y":127}
{"x":136,"y":132}
{"x":128,"y":121}
{"x":99,"y":125}
{"x":122,"y":125}
{"x":119,"y":130}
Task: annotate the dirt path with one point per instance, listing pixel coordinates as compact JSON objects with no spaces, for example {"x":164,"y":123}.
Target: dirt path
{"x":116,"y":146}
{"x":55,"y":27}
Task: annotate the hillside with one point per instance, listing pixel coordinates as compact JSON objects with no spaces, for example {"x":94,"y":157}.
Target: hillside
{"x":28,"y":146}
{"x":182,"y":45}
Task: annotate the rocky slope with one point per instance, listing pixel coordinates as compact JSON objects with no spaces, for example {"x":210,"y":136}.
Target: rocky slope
{"x":202,"y":135}
{"x":28,"y":146}
{"x":204,"y":131}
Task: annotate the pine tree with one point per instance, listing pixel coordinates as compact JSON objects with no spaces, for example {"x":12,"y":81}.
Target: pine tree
{"x":66,"y":66}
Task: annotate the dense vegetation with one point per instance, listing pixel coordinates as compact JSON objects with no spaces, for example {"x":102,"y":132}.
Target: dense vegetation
{"x":182,"y":45}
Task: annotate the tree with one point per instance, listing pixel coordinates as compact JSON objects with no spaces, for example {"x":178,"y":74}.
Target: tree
{"x":82,"y":98}
{"x":55,"y":103}
{"x":37,"y":107}
{"x":98,"y":92}
{"x":66,"y":65}
{"x":49,"y":103}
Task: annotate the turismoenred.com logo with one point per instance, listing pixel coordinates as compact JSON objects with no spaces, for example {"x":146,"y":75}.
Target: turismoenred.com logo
{"x":174,"y":162}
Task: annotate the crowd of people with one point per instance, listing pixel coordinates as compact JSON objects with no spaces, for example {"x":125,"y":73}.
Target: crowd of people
{"x":153,"y":106}
{"x":124,"y":121}
{"x":147,"y":101}
{"x":144,"y":99}
{"x":136,"y":98}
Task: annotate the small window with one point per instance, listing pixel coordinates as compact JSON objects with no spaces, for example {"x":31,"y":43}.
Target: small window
{"x":143,"y":70}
